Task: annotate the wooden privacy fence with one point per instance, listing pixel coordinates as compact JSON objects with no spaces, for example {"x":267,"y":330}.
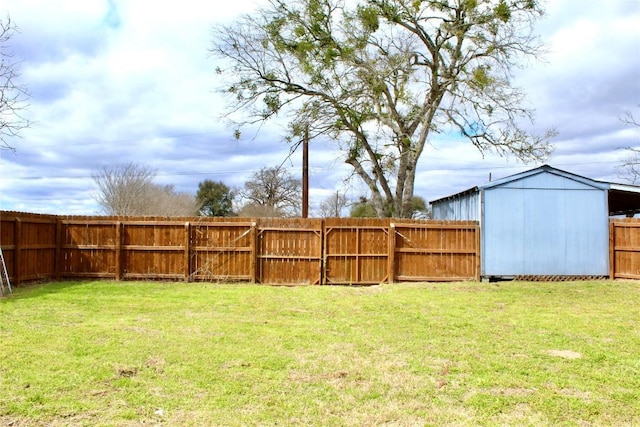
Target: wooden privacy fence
{"x":278,"y":251}
{"x":624,"y":248}
{"x":29,"y":246}
{"x":369,"y":251}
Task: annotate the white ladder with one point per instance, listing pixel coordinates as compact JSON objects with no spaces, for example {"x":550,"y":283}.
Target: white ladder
{"x":4,"y":276}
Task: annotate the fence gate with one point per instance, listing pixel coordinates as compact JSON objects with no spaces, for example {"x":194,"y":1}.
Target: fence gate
{"x":356,"y":252}
{"x":436,"y":251}
{"x":290,"y":252}
{"x":223,"y":251}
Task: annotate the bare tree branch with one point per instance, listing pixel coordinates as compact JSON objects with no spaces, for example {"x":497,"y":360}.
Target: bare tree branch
{"x":271,"y":192}
{"x":13,"y":95}
{"x":129,"y":190}
{"x":333,"y":205}
{"x":629,"y":168}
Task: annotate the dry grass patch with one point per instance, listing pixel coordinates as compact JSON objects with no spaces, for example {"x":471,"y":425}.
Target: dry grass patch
{"x":565,"y":354}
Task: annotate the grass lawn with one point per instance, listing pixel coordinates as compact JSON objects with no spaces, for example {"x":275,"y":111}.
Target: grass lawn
{"x":183,"y":354}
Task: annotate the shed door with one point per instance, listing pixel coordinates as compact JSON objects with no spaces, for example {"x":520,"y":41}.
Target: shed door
{"x":543,"y":232}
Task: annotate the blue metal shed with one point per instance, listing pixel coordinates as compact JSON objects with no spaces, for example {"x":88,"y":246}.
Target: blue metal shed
{"x":542,"y":222}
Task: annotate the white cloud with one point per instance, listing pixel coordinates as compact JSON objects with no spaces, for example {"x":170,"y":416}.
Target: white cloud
{"x":119,"y":81}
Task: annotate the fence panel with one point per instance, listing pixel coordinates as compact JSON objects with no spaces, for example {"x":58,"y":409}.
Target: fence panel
{"x":289,"y":251}
{"x":8,"y":240}
{"x":37,"y":249}
{"x":223,"y":251}
{"x":624,"y":248}
{"x":436,"y":251}
{"x":88,"y":249}
{"x":356,"y":251}
{"x":28,"y":245}
{"x":155,"y":250}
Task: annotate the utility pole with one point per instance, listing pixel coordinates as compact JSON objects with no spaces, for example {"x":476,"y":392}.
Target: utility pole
{"x":305,"y":174}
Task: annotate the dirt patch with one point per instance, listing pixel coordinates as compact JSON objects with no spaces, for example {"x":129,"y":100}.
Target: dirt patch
{"x":156,"y":364}
{"x":573,"y":393}
{"x":126,"y":371}
{"x":565,"y":354}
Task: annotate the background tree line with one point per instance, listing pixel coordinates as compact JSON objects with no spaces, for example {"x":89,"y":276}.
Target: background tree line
{"x":129,"y":190}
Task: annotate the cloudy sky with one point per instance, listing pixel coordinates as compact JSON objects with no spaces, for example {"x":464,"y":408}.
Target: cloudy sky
{"x":114,"y":81}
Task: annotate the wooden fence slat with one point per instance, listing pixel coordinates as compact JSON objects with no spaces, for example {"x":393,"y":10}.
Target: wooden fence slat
{"x":187,"y":251}
{"x":118,"y":249}
{"x":17,"y":252}
{"x":147,"y":248}
{"x":89,"y":247}
{"x":612,"y":258}
{"x":356,"y":255}
{"x":391,"y":260}
{"x":478,"y":256}
{"x":221,"y":249}
{"x":254,"y":252}
{"x":58,"y":254}
{"x":617,"y":248}
{"x":436,"y":251}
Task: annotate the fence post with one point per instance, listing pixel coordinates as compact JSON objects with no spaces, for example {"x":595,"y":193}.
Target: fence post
{"x":253,"y":264}
{"x":17,"y":248}
{"x":391,"y":265}
{"x":58,"y":255}
{"x":118,"y":249}
{"x":187,"y":251}
{"x":612,"y":250}
{"x":323,"y":255}
{"x":478,"y":240}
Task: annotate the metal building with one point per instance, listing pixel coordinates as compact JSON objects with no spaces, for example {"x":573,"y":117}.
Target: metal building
{"x":542,"y":222}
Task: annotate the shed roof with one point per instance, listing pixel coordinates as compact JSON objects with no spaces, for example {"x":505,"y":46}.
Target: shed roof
{"x":624,"y":199}
{"x":548,"y":169}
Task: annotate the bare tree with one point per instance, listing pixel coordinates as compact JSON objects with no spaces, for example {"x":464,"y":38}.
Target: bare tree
{"x":13,"y":96}
{"x":271,"y":192}
{"x":629,"y":168}
{"x":167,"y":201}
{"x":333,"y":205}
{"x":128,"y":189}
{"x":382,"y":77}
{"x":629,"y":119}
{"x":122,"y":189}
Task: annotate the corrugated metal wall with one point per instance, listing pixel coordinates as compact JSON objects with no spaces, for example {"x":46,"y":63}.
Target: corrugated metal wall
{"x":461,"y":207}
{"x":545,"y":224}
{"x":541,"y":224}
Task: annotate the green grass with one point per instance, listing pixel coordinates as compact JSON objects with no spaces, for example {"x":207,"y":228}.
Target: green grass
{"x":132,"y":353}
